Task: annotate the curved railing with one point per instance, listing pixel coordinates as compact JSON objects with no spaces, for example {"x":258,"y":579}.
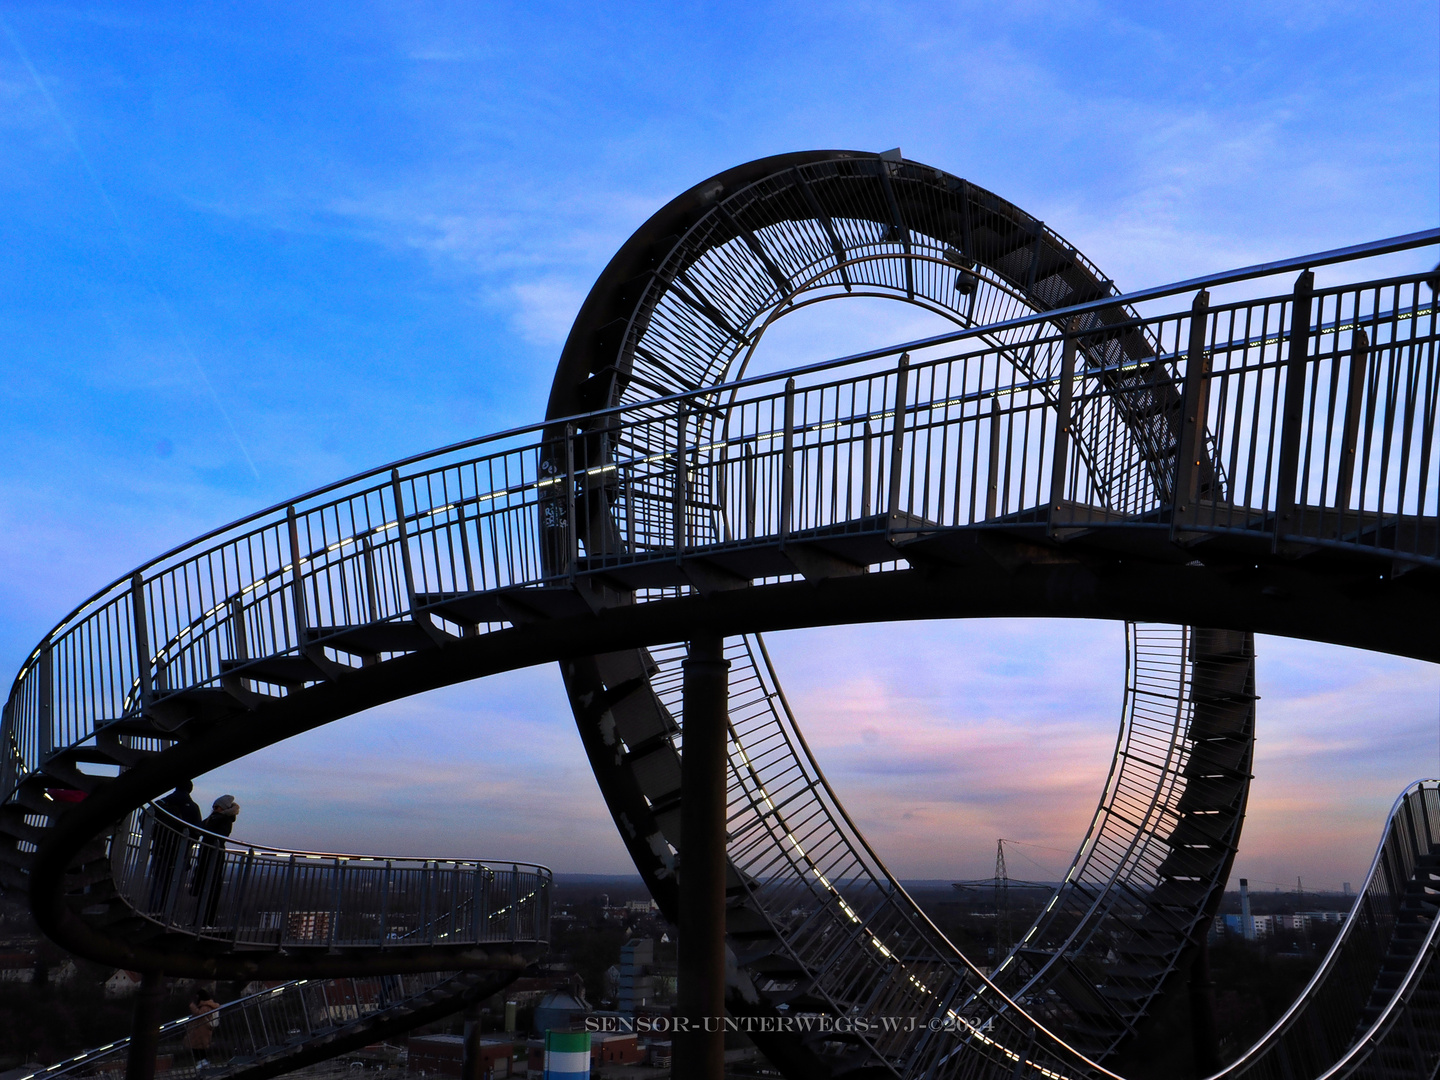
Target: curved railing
{"x":186,"y":880}
{"x":489,"y":534}
{"x":740,"y":265}
{"x":174,"y":877}
{"x":820,"y":927}
{"x":387,"y":563}
{"x":267,"y":1027}
{"x":1345,"y":1019}
{"x":1149,"y":871}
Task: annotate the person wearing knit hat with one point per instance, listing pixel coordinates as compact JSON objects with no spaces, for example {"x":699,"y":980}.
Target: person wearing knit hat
{"x":210,"y":866}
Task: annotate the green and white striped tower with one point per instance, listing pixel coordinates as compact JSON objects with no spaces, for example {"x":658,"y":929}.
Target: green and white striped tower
{"x":567,"y":1055}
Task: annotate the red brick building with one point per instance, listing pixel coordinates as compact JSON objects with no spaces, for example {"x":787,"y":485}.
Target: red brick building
{"x":443,"y":1055}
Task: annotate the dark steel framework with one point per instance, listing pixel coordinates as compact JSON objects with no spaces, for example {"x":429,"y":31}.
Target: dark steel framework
{"x":1260,"y":465}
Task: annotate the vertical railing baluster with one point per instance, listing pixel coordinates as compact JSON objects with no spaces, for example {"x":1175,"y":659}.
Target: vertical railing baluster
{"x":1194,"y":411}
{"x":897,"y":440}
{"x":240,"y":894}
{"x":177,"y":873}
{"x":372,"y":586}
{"x":11,"y":764}
{"x":476,"y":883}
{"x":748,"y":464}
{"x":385,"y":903}
{"x":297,"y":583}
{"x":572,"y":527}
{"x":403,"y":539}
{"x":1354,"y":396}
{"x":417,"y":616}
{"x":514,"y":903}
{"x":787,"y":462}
{"x":335,"y":905}
{"x":866,"y":469}
{"x":285,"y":893}
{"x":139,"y":616}
{"x":425,"y":888}
{"x":1293,"y":415}
{"x":678,"y":508}
{"x":464,"y":539}
{"x":1059,"y":466}
{"x":240,"y":649}
{"x":992,"y":471}
{"x":720,"y":470}
{"x":45,"y":704}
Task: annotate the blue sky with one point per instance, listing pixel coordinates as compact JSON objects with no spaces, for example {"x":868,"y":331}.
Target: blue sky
{"x":251,"y":248}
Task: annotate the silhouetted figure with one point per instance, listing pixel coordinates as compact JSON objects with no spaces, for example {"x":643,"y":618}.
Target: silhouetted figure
{"x":200,"y":1032}
{"x":170,"y":844}
{"x":210,"y":865}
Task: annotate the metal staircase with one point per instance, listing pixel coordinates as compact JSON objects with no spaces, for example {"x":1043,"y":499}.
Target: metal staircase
{"x":1204,"y":464}
{"x":150,"y":883}
{"x":286,"y":1027}
{"x":1152,"y":868}
{"x":1372,"y":1009}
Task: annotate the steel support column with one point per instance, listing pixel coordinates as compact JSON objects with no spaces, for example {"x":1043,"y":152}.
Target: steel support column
{"x":1204,"y":1040}
{"x":471,"y":1067}
{"x":145,"y":1029}
{"x":700,"y":1053}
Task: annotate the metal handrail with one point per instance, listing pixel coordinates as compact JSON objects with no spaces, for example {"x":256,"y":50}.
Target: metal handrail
{"x":670,"y":479}
{"x":349,"y":856}
{"x":365,"y":529}
{"x":232,"y":1028}
{"x":1403,"y":242}
{"x":1258,"y":1053}
{"x":195,"y":882}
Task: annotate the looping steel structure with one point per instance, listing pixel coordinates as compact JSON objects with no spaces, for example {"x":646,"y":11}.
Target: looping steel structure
{"x":1258,"y":465}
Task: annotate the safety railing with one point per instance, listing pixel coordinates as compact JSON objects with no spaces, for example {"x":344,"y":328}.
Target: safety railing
{"x":198,"y":883}
{"x":1344,"y":1015}
{"x":262,"y":1025}
{"x":983,"y":438}
{"x":1323,"y":425}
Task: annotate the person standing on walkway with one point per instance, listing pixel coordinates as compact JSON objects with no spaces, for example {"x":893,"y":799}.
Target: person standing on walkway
{"x":210,"y":865}
{"x":170,"y":844}
{"x":201,"y":1029}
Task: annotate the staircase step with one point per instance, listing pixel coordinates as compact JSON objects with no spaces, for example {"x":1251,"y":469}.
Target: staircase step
{"x":67,"y":776}
{"x":380,"y":637}
{"x":91,"y":755}
{"x":17,"y":827}
{"x":288,"y":671}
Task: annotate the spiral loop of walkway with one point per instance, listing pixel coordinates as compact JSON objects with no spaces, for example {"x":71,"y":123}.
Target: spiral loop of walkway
{"x":1259,"y":465}
{"x":741,"y":251}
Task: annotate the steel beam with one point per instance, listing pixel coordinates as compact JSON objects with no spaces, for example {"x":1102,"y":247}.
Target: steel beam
{"x":700,"y":1052}
{"x":145,"y":1029}
{"x":1293,"y":415}
{"x":1194,"y":409}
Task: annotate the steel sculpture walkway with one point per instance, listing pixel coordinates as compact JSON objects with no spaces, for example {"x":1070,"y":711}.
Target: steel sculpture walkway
{"x":161,"y":877}
{"x":1373,"y":1007}
{"x":1259,"y":465}
{"x":899,"y":230}
{"x":288,"y":1026}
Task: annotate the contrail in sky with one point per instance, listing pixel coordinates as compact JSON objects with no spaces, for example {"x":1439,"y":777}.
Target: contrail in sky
{"x":170,"y":314}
